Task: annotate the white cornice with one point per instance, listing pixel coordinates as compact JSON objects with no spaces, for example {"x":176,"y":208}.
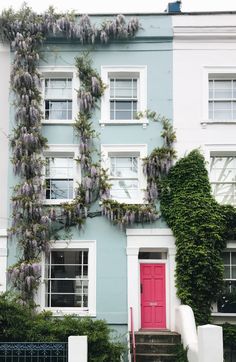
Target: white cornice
{"x":205,"y":33}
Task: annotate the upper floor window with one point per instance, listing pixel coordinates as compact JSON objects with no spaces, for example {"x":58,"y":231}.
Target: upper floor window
{"x":58,"y":99}
{"x":223,"y":178}
{"x":124,"y":177}
{"x":59,"y":178}
{"x":222,"y":99}
{"x":61,"y":173}
{"x":123,"y":98}
{"x":125,"y":95}
{"x":124,"y":165}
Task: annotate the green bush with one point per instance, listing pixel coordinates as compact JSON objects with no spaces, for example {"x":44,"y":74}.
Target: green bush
{"x":23,"y":324}
{"x":229,"y":335}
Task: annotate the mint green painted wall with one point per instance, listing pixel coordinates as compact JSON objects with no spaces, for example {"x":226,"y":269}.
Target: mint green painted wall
{"x":153,"y":48}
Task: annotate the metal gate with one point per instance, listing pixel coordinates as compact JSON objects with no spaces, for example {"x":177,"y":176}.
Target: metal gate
{"x":33,"y":352}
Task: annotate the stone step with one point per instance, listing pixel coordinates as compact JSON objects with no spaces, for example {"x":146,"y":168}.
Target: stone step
{"x":157,"y":337}
{"x":155,"y":358}
{"x":157,"y":348}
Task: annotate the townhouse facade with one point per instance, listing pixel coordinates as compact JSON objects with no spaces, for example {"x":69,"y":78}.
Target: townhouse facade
{"x":181,"y":66}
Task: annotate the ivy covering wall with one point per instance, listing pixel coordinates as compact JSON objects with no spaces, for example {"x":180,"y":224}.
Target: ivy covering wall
{"x":201,"y":227}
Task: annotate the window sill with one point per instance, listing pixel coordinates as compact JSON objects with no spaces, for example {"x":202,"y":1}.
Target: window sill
{"x":58,"y":121}
{"x":220,"y":121}
{"x":57,"y":201}
{"x":135,"y":122}
{"x":217,"y":314}
{"x":58,"y":312}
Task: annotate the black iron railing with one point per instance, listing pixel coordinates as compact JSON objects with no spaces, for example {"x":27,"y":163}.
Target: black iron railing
{"x":230,"y":354}
{"x":33,"y":352}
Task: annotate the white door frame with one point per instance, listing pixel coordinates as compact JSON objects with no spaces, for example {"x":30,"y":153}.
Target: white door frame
{"x":162,"y":239}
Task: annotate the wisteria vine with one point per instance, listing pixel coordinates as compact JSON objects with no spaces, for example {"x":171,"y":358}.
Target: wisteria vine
{"x":26,"y":30}
{"x":32,"y":224}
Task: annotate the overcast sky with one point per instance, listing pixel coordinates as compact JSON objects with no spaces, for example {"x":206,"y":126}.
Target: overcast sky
{"x":122,"y":6}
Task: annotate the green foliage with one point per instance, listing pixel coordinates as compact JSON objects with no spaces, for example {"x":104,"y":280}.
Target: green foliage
{"x":18,"y":323}
{"x":181,"y":353}
{"x":198,"y":223}
{"x":229,"y":335}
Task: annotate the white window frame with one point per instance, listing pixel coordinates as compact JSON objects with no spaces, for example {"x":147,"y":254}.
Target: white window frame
{"x":124,"y":71}
{"x":63,"y":151}
{"x":61,"y":72}
{"x":141,"y":150}
{"x":230,"y":247}
{"x":214,"y":72}
{"x":63,"y":245}
{"x":217,"y":150}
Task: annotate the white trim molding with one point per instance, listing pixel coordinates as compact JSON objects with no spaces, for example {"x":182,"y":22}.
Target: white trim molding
{"x":90,"y":311}
{"x":124,"y":70}
{"x":151,"y":239}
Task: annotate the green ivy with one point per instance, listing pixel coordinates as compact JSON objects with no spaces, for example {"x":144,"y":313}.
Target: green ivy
{"x":199,"y":224}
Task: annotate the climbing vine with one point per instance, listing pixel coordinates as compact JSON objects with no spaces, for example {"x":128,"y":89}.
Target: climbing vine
{"x":26,"y":30}
{"x":199,"y":226}
{"x":33,"y":224}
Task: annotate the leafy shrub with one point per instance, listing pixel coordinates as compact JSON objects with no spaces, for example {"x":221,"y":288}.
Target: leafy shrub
{"x":23,"y":324}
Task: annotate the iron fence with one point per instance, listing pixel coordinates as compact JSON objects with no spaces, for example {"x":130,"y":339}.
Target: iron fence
{"x":33,"y":352}
{"x":229,"y":354}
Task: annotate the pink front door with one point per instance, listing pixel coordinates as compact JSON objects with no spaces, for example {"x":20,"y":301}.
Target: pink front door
{"x":153,"y":296}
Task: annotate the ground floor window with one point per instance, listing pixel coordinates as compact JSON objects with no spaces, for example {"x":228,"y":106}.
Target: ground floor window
{"x":227,"y":302}
{"x":67,"y":278}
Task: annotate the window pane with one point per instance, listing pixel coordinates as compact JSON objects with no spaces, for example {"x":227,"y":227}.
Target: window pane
{"x":58,"y":109}
{"x":124,"y":167}
{"x":123,"y":88}
{"x":60,"y":167}
{"x":227,"y":272}
{"x":59,"y":189}
{"x":68,"y":271}
{"x":65,"y":300}
{"x":58,"y":88}
{"x":233,"y":258}
{"x":233,"y":271}
{"x":69,"y":256}
{"x":223,"y":169}
{"x":223,"y":89}
{"x":123,"y":110}
{"x":226,"y":258}
{"x":224,"y":193}
{"x":124,"y":189}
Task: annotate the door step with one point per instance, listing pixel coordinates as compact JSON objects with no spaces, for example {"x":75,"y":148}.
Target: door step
{"x":156,"y":346}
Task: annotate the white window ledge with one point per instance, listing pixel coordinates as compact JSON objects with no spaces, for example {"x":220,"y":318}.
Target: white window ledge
{"x":56,"y":201}
{"x":134,"y":122}
{"x":210,"y":121}
{"x":58,"y":121}
{"x":216,"y":314}
{"x":82,"y":312}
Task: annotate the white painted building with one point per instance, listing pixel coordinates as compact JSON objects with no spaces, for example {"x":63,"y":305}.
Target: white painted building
{"x":204,"y":102}
{"x":4,"y":158}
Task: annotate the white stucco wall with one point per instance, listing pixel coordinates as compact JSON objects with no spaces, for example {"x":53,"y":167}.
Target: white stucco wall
{"x":4,"y":158}
{"x":202,"y":44}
